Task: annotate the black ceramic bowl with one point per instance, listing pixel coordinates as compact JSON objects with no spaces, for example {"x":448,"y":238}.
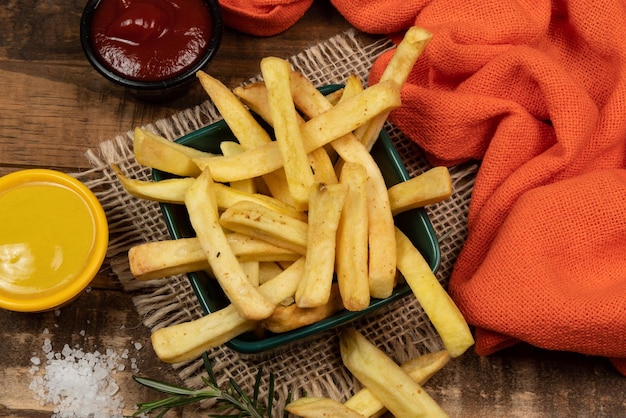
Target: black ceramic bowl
{"x":161,"y":89}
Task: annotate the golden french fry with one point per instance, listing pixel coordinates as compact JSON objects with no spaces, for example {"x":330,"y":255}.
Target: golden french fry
{"x":230,"y":147}
{"x":408,"y":50}
{"x":381,"y":234}
{"x":154,"y":151}
{"x":440,"y":308}
{"x":188,"y":340}
{"x":255,"y":97}
{"x":275,"y":227}
{"x":322,"y":166}
{"x":325,"y":207}
{"x":335,"y":96}
{"x":420,"y":369}
{"x":245,"y":128}
{"x":286,"y":125}
{"x":250,"y":268}
{"x":255,"y":162}
{"x":287,"y":318}
{"x":400,"y":394}
{"x":268,"y":270}
{"x":432,"y":186}
{"x":167,"y":191}
{"x":351,"y":263}
{"x":153,"y":260}
{"x":353,"y":86}
{"x":319,"y":407}
{"x":316,"y":132}
{"x":248,"y":248}
{"x":174,"y":191}
{"x":228,"y":196}
{"x":204,"y":218}
{"x":382,"y":246}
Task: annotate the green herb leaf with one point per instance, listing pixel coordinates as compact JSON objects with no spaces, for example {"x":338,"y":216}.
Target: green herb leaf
{"x":233,"y":398}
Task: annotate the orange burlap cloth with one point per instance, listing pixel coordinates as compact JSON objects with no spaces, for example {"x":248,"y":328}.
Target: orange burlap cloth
{"x":535,"y":90}
{"x":262,"y":17}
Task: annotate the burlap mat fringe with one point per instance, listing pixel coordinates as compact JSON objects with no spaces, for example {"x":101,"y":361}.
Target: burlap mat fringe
{"x":401,"y":329}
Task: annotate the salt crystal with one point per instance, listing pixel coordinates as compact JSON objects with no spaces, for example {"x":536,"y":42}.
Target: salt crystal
{"x":47,"y":345}
{"x":138,"y":346}
{"x":82,"y":332}
{"x":78,"y":384}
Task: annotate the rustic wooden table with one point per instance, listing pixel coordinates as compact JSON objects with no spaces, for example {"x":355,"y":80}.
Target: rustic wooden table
{"x":54,"y":107}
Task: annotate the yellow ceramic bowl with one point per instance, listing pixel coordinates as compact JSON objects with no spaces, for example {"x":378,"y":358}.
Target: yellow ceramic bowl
{"x":53,"y":239}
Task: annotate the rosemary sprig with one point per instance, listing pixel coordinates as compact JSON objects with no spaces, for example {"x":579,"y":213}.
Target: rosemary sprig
{"x":232,"y":398}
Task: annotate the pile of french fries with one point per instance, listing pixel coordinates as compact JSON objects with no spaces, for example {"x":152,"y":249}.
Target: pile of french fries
{"x":297,"y":225}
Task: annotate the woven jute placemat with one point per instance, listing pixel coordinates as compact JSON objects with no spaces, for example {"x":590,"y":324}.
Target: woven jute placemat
{"x":314,"y":366}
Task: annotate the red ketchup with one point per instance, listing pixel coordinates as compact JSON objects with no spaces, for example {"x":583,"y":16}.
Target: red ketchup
{"x":150,"y":40}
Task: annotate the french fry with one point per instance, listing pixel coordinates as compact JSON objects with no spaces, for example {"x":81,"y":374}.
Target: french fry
{"x":381,"y":235}
{"x":382,"y":248}
{"x":228,"y":196}
{"x":232,"y":148}
{"x":174,"y":191}
{"x":287,"y":318}
{"x":408,"y":50}
{"x":245,"y":128}
{"x":269,"y":270}
{"x":250,"y":268}
{"x":153,"y":260}
{"x":352,"y":247}
{"x":255,"y":97}
{"x":420,"y":369}
{"x":204,"y":218}
{"x":320,"y":407}
{"x":316,"y":132}
{"x":325,"y":207}
{"x":188,"y":340}
{"x":440,"y":308}
{"x":257,"y":94}
{"x":167,"y":191}
{"x":432,"y":186}
{"x":154,"y":151}
{"x":335,"y":96}
{"x":294,"y":154}
{"x":255,"y":162}
{"x":275,"y":227}
{"x":400,"y":394}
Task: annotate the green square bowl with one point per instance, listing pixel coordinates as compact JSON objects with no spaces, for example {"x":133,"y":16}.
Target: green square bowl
{"x":414,"y":223}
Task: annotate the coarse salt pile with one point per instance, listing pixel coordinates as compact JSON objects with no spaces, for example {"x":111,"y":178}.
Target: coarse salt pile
{"x":77,"y":383}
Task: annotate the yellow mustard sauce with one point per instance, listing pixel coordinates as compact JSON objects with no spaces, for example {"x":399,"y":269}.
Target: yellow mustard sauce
{"x":46,"y":235}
